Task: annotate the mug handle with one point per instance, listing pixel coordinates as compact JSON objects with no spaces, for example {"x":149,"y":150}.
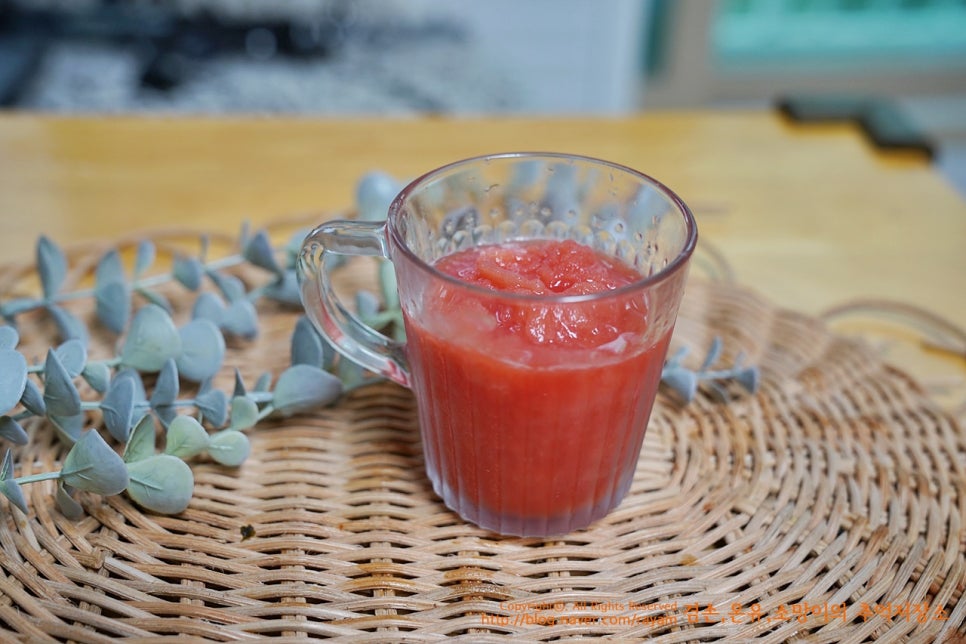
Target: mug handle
{"x":353,"y":339}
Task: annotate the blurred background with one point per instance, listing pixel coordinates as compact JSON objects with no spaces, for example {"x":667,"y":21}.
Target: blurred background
{"x":529,"y":57}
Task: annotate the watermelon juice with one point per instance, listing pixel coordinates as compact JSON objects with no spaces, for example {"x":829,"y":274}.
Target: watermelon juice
{"x":539,"y":290}
{"x":536,"y":382}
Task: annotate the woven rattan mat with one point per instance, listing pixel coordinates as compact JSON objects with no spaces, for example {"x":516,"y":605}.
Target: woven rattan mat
{"x":829,"y":507}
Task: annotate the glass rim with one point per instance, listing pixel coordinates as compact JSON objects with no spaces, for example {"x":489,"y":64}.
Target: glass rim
{"x":644,"y":283}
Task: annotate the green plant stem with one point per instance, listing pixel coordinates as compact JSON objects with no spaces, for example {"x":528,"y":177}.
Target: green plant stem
{"x":256,"y":293}
{"x":267,"y":411}
{"x":721,"y":374}
{"x":34,"y":478}
{"x":110,"y":362}
{"x":136,"y":285}
{"x":95,"y":405}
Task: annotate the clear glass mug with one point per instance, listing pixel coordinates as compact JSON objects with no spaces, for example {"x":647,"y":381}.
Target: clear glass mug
{"x":524,"y":432}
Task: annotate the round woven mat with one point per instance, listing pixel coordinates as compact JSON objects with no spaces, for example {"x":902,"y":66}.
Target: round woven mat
{"x":829,"y":507}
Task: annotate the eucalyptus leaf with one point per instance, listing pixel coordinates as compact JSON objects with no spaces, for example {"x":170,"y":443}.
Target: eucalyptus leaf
{"x":66,"y":503}
{"x":245,"y":233}
{"x":333,"y":261}
{"x":202,"y":350}
{"x":117,"y":409}
{"x":244,"y":413}
{"x":110,"y":269}
{"x":13,"y":378}
{"x":374,"y":194}
{"x":52,"y":266}
{"x":208,"y":306}
{"x":367,"y":304}
{"x":161,"y":483}
{"x":303,"y":387}
{"x":214,"y":405}
{"x":33,"y":399}
{"x":9,"y":486}
{"x":381,"y":320}
{"x":12,"y":431}
{"x":399,"y":327}
{"x":68,"y":324}
{"x":140,"y":445}
{"x":165,"y":393}
{"x":387,"y":285}
{"x":186,"y":437}
{"x":229,"y":447}
{"x":683,"y":381}
{"x":350,"y":373}
{"x":205,"y":243}
{"x":285,"y":289}
{"x":68,"y":427}
{"x":73,"y":355}
{"x":113,"y":305}
{"x":97,"y":375}
{"x":140,"y":394}
{"x":231,"y":287}
{"x":93,"y":466}
{"x":155,"y":298}
{"x":678,"y":357}
{"x":749,"y":378}
{"x":8,"y":337}
{"x":12,"y":308}
{"x":714,"y":352}
{"x":152,"y":340}
{"x":258,"y":251}
{"x":264,"y":382}
{"x":307,"y":347}
{"x":239,"y":384}
{"x":293,"y":248}
{"x":145,"y":256}
{"x":188,"y":271}
{"x":167,"y":386}
{"x":260,"y":397}
{"x":241,"y":319}
{"x":112,"y":294}
{"x":11,"y":490}
{"x":60,"y":395}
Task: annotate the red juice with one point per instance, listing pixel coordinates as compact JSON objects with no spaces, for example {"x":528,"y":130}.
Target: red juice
{"x":533,"y":412}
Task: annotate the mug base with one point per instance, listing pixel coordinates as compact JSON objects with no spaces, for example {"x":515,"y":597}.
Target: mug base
{"x":515,"y":525}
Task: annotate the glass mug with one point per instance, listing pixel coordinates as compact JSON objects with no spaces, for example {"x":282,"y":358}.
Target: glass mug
{"x":532,"y":406}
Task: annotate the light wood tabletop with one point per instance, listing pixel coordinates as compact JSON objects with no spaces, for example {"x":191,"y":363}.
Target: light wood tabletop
{"x":808,"y":215}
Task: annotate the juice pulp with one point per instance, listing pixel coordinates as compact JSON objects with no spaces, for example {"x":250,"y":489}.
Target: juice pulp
{"x":533,"y":413}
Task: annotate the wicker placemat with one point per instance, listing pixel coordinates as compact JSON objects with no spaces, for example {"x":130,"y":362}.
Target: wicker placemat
{"x":830,"y":507}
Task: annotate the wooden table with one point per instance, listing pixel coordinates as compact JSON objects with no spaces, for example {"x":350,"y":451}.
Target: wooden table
{"x":808,"y":215}
{"x":825,"y":494}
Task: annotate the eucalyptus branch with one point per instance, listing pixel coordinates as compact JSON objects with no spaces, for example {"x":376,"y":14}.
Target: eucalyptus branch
{"x":210,"y":424}
{"x":685,"y":382}
{"x":52,"y":265}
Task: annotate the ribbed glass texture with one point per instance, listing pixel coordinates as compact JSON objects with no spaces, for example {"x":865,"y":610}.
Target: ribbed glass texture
{"x":534,"y":439}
